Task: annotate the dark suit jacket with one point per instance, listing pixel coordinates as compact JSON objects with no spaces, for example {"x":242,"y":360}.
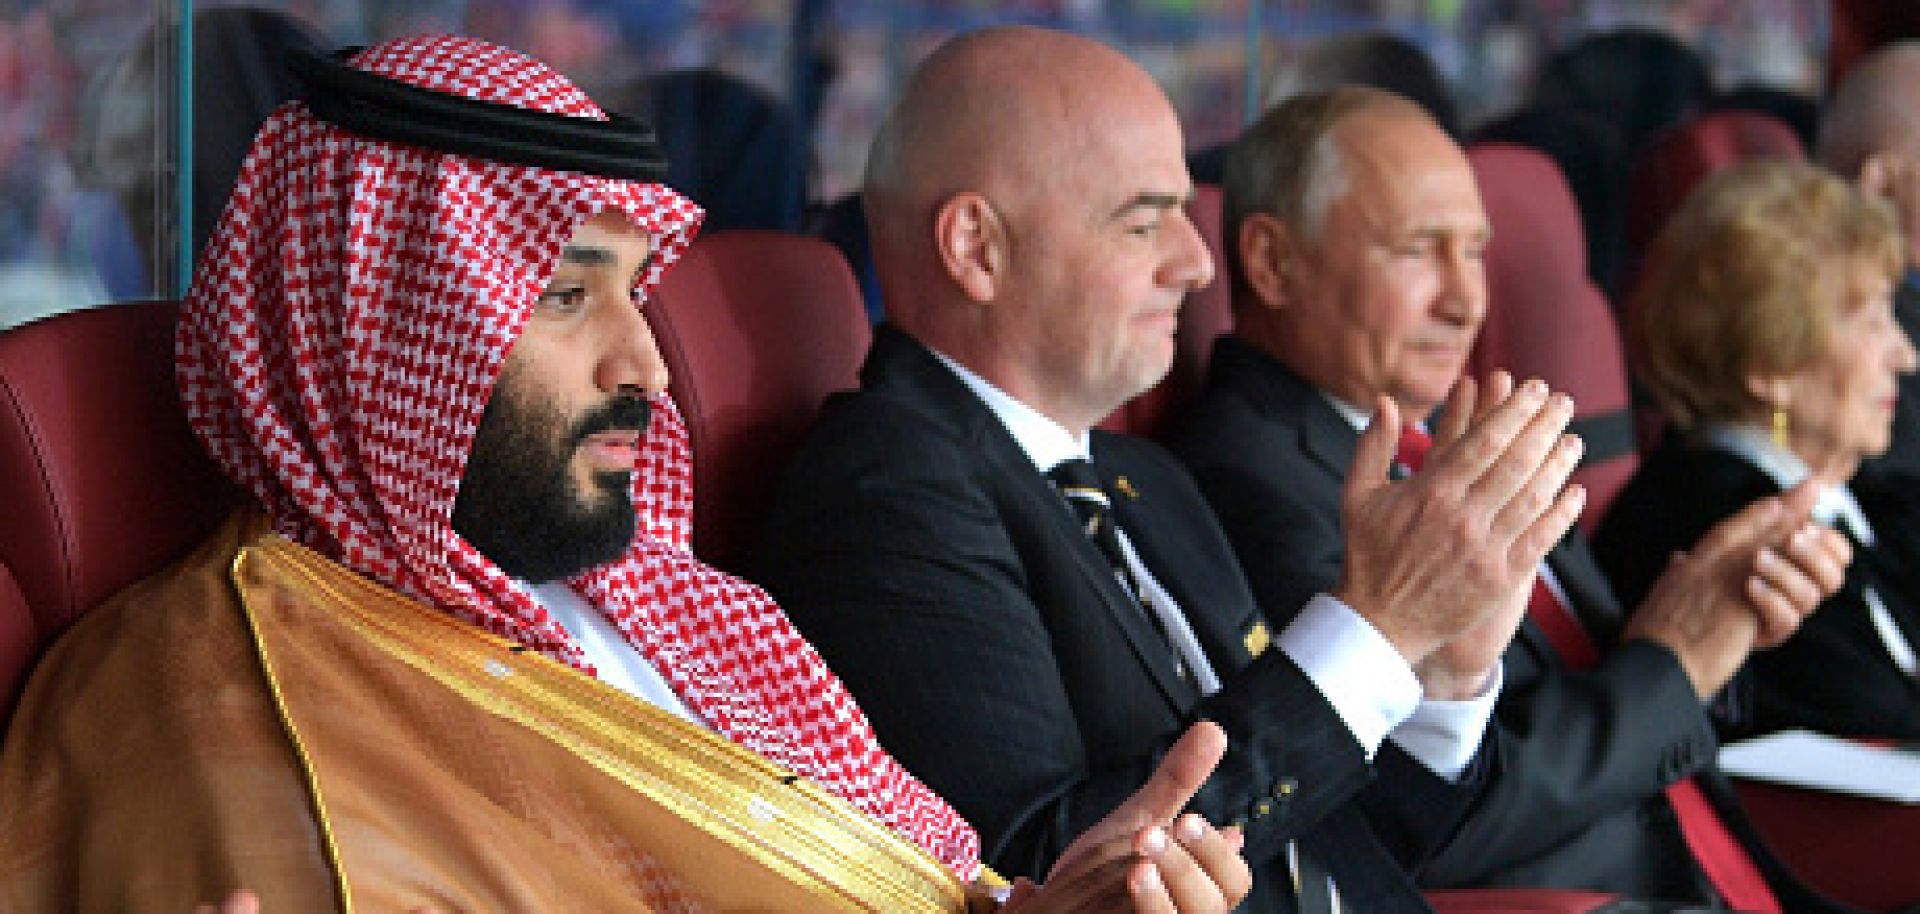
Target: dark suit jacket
{"x":1577,"y":800}
{"x":1833,"y":675}
{"x":946,"y":582}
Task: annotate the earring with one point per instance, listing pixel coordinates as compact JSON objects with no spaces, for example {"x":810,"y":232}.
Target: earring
{"x":1780,"y":428}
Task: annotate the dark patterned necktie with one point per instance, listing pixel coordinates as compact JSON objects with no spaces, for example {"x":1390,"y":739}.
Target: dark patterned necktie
{"x":1080,"y":485}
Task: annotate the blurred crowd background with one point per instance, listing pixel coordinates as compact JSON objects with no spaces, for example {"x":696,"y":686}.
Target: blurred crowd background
{"x":122,"y":121}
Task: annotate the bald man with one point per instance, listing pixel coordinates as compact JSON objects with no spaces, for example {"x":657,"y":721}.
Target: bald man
{"x":1031,"y":611}
{"x":1870,"y":131}
{"x":1356,"y":233}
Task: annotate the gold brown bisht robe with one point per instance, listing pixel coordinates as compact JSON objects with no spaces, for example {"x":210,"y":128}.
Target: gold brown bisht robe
{"x":261,"y":716}
{"x":335,"y":715}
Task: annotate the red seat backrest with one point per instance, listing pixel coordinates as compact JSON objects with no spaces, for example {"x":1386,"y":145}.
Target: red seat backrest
{"x":1205,"y":316}
{"x":1842,"y":845}
{"x":1517,"y":901}
{"x":1675,"y":163}
{"x":1545,"y":318}
{"x":101,"y":481}
{"x":757,"y":328}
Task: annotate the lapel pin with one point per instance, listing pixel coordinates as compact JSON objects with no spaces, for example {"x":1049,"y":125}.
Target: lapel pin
{"x":1126,"y":488}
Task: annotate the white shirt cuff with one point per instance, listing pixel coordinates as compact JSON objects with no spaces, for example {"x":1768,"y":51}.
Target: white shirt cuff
{"x":1444,"y":735}
{"x":1355,"y":667}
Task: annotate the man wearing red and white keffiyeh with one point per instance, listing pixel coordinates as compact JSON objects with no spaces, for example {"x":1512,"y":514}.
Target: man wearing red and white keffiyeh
{"x":428,"y":368}
{"x":341,"y":340}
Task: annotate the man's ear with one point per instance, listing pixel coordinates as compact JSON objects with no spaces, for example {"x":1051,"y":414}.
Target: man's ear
{"x":972,"y":243}
{"x":1267,"y":248}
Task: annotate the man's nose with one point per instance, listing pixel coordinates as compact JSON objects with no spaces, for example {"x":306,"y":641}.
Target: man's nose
{"x":1463,"y":287}
{"x":632,"y":357}
{"x":1191,"y":263}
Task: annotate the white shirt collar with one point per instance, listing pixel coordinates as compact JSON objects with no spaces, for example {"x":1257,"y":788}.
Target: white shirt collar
{"x":1359,"y":418}
{"x":1047,"y":443}
{"x":1787,"y":470}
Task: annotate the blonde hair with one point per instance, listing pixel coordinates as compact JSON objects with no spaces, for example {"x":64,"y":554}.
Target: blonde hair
{"x":1745,"y":280}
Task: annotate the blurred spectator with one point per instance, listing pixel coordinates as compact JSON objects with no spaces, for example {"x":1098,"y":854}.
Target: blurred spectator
{"x":48,"y":233}
{"x":1372,"y":58}
{"x":1588,"y":150}
{"x":1640,"y":81}
{"x":734,"y":148}
{"x":239,"y":78}
{"x":1871,"y":134}
{"x":1765,"y":328}
{"x":843,"y":224}
{"x":1379,"y":59}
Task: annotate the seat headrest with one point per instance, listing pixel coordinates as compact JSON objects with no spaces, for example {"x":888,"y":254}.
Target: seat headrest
{"x":1688,"y":154}
{"x":757,"y":328}
{"x":1545,"y":317}
{"x":102,"y":480}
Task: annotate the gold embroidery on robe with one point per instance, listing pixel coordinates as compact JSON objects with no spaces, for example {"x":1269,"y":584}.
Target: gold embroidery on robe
{"x":261,"y":717}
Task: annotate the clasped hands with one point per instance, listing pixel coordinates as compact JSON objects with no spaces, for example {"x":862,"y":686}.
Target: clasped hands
{"x":1443,"y":563}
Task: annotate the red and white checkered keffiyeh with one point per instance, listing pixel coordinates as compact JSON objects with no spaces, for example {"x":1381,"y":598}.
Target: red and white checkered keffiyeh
{"x":344,"y":330}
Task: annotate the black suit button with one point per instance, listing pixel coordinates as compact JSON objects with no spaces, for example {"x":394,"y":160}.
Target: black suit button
{"x":1262,"y":808}
{"x":1284,"y":788}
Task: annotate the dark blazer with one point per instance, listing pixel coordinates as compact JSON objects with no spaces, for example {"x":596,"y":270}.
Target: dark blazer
{"x":1577,"y":800}
{"x":946,"y":582}
{"x":1834,"y":675}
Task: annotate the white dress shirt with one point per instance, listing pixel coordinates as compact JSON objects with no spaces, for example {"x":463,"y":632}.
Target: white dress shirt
{"x":1356,"y":668}
{"x":607,"y":649}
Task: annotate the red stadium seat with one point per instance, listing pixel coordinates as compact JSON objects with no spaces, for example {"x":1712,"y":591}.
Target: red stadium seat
{"x":757,"y":328}
{"x":1545,"y":318}
{"x":1205,"y":316}
{"x":1851,"y":848}
{"x":101,"y":479}
{"x":1516,"y":901}
{"x":1684,"y":156}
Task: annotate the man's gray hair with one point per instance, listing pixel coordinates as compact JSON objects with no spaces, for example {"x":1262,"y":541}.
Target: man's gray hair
{"x":1289,"y":164}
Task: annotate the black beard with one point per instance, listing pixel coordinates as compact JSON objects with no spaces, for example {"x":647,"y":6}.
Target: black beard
{"x":517,"y":502}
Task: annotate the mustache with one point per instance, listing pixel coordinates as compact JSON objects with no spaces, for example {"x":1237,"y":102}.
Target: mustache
{"x":622,"y":413}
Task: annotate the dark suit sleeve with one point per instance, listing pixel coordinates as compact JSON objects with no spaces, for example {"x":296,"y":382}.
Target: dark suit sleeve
{"x":891,"y":555}
{"x":1576,"y":748}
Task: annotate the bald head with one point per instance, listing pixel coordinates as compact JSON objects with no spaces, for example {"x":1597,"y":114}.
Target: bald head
{"x":1026,"y":205}
{"x":1874,"y":110}
{"x":982,"y":114}
{"x":982,"y":105}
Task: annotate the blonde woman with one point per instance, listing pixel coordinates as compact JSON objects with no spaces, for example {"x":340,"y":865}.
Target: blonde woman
{"x":1765,"y":329}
